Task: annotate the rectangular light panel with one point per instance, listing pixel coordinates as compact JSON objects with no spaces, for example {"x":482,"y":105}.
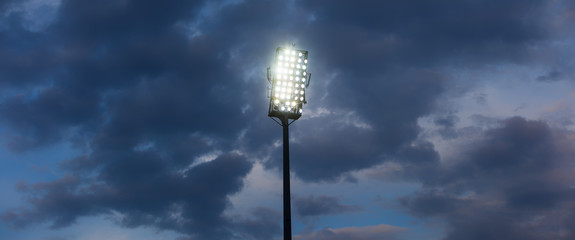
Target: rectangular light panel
{"x":289,"y":81}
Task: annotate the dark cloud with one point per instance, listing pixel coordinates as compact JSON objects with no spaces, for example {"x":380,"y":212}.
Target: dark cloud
{"x":321,"y":205}
{"x":4,"y":4}
{"x":141,"y":189}
{"x":550,"y":76}
{"x":360,"y":233}
{"x":425,"y":33}
{"x":514,"y":184}
{"x":447,"y":124}
{"x":47,"y":117}
{"x":125,"y":83}
{"x":263,"y":223}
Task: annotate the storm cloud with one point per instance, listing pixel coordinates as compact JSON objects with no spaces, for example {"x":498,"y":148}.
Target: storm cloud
{"x":514,"y":184}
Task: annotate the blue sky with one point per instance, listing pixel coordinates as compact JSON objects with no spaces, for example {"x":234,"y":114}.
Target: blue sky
{"x":425,"y":120}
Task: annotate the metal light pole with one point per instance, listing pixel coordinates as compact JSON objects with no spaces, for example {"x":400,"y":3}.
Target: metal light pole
{"x":289,"y":79}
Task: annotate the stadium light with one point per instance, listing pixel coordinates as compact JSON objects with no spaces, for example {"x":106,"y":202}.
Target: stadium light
{"x":289,"y":78}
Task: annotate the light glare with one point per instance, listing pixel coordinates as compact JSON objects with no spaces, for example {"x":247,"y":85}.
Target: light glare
{"x":288,"y":96}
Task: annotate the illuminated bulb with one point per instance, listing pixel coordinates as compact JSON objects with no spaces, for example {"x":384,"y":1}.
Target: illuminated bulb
{"x":303,"y":67}
{"x":300,"y":110}
{"x":298,"y":60}
{"x":292,"y":104}
{"x":298,"y":66}
{"x":277,"y":102}
{"x":304,"y":73}
{"x":305,"y":61}
{"x":300,"y":54}
{"x":292,"y":52}
{"x":281,"y":57}
{"x":283,"y":108}
{"x":301,"y":92}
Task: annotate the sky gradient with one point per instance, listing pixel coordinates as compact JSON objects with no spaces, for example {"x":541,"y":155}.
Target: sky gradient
{"x":440,"y":120}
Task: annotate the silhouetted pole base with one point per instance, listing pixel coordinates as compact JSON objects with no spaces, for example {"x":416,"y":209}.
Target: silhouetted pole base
{"x":286,"y":187}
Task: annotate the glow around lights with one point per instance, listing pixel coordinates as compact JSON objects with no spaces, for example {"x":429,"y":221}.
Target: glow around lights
{"x":289,"y":69}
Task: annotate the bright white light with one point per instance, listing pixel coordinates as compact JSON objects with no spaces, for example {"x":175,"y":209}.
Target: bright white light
{"x":288,"y":96}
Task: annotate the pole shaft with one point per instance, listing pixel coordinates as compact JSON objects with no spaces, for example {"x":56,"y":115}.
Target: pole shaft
{"x":286,"y":182}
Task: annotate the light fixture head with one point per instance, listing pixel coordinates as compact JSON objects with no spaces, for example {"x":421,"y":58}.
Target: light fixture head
{"x":289,"y":69}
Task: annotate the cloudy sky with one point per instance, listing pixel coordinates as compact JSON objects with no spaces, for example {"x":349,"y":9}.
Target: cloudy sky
{"x":125,"y":120}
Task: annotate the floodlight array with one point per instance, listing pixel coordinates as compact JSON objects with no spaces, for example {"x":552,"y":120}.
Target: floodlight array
{"x":289,"y":81}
